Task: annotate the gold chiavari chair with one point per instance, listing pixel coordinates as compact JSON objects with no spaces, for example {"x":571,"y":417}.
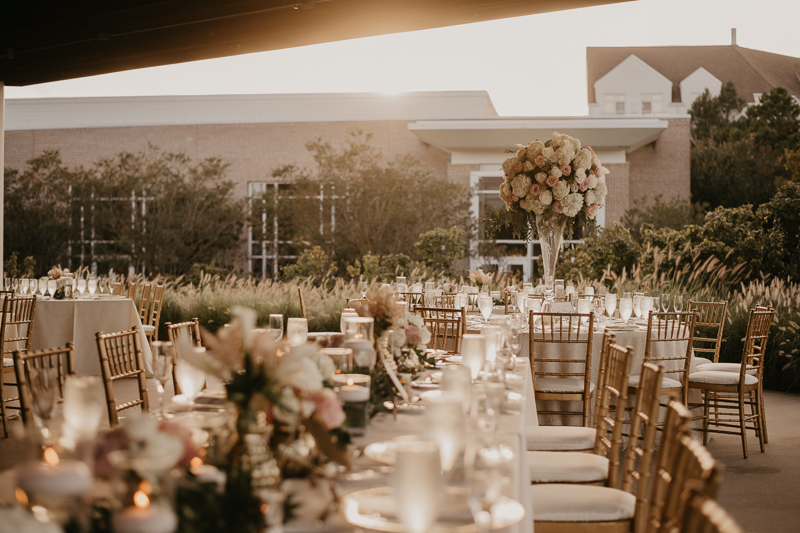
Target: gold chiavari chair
{"x":144,"y":302}
{"x":302,"y":303}
{"x":16,"y":328}
{"x":61,"y":361}
{"x":150,"y":329}
{"x":602,"y":466}
{"x":132,"y":290}
{"x":190,"y":328}
{"x":704,"y":515}
{"x":733,"y":390}
{"x":573,"y":384}
{"x":117,"y":288}
{"x":121,"y":357}
{"x":664,"y":331}
{"x":709,"y":323}
{"x":447,"y":327}
{"x":561,"y":508}
{"x":572,"y":438}
{"x":445,"y":300}
{"x":412,"y":299}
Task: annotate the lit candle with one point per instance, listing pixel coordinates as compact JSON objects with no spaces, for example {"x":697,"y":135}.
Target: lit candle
{"x":354,"y":396}
{"x":55,"y":477}
{"x":145,"y":518}
{"x":208,"y":474}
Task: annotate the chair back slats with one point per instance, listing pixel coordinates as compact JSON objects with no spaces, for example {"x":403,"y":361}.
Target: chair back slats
{"x":18,"y":313}
{"x":446,"y":325}
{"x":562,"y":328}
{"x":144,"y":303}
{"x":59,"y":360}
{"x":704,"y":515}
{"x":663,"y":328}
{"x":190,"y":328}
{"x":617,"y":369}
{"x":709,"y":323}
{"x":676,"y":425}
{"x":117,"y":288}
{"x":132,"y":288}
{"x":445,"y":300}
{"x":755,"y":343}
{"x":641,"y":438}
{"x":121,"y":357}
{"x":412,"y":299}
{"x":155,"y":311}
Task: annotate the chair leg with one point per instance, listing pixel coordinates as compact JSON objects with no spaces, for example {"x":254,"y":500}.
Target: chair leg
{"x":705,"y":417}
{"x":760,"y":395}
{"x":759,"y":419}
{"x":3,"y":407}
{"x":742,"y":425}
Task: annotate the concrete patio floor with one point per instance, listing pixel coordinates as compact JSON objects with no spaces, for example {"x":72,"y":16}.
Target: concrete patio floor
{"x":762,"y":492}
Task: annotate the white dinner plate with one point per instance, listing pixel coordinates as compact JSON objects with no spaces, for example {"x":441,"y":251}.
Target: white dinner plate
{"x":385,"y":451}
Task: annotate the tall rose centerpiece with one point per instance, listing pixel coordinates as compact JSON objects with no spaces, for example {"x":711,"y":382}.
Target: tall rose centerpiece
{"x":549,"y":187}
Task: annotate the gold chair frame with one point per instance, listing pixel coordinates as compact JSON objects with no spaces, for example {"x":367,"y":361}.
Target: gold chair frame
{"x":192,"y":329}
{"x":446,"y":325}
{"x":154,"y":315}
{"x":302,"y":303}
{"x":18,"y":312}
{"x":567,"y":332}
{"x":144,"y":302}
{"x":121,"y":357}
{"x":62,"y":359}
{"x":709,"y":315}
{"x":704,"y":515}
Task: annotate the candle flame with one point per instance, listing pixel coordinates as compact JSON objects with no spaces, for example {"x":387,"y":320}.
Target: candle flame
{"x":196,"y":461}
{"x":22,"y":497}
{"x":51,"y":457}
{"x":140,"y":500}
{"x":350,"y":382}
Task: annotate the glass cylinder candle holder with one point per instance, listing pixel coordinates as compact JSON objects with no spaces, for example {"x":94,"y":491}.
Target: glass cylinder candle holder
{"x":297,"y":331}
{"x":588,"y":291}
{"x":358,"y":337}
{"x":473,"y":353}
{"x":353,"y":391}
{"x":342,"y":359}
{"x":493,"y":340}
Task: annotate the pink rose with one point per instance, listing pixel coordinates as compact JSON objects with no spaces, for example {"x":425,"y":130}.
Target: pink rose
{"x":584,"y":185}
{"x":518,"y":167}
{"x":552,"y":181}
{"x":327,"y":409}
{"x":540,"y":160}
{"x":592,"y":209}
{"x":591,"y":151}
{"x":566,"y":170}
{"x":536,"y":189}
{"x":557,"y":207}
{"x":412,"y":334}
{"x":597,"y":172}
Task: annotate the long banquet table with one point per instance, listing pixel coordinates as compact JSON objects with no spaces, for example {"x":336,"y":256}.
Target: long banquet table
{"x":57,"y":322}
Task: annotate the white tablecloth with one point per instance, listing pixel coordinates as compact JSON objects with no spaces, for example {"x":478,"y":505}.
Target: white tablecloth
{"x":57,"y":322}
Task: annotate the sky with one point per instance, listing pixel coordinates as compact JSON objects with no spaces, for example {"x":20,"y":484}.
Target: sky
{"x":531,"y":66}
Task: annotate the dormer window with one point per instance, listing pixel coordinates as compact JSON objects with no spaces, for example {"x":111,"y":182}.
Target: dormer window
{"x":651,"y":104}
{"x":615,"y":104}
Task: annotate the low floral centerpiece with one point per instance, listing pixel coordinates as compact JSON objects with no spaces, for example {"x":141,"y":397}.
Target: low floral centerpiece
{"x":549,"y":187}
{"x":480,"y":278}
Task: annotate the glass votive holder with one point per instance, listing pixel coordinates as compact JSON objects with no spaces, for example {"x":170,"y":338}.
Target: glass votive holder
{"x":342,"y":359}
{"x":473,"y":353}
{"x":588,"y":291}
{"x":354,"y":392}
{"x":297,"y":331}
{"x":359,"y":328}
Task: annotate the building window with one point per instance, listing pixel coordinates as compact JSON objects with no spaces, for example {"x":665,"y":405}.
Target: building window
{"x":615,"y":104}
{"x":651,"y":104}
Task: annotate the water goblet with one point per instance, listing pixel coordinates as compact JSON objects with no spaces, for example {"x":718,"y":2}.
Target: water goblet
{"x":584,"y":308}
{"x":163,"y":358}
{"x":24,"y":285}
{"x":84,"y":404}
{"x":665,"y":302}
{"x":611,"y":304}
{"x":417,"y":484}
{"x":92,"y":286}
{"x":656,"y":304}
{"x":637,"y":306}
{"x":81,"y":286}
{"x":485,"y":305}
{"x":43,"y":383}
{"x":599,"y":307}
{"x":43,"y":285}
{"x":625,"y":309}
{"x":7,"y":283}
{"x":297,"y":331}
{"x":677,"y":303}
{"x":33,"y":286}
{"x":51,"y":287}
{"x":646,"y":306}
{"x":522,"y":300}
{"x":276,"y":326}
{"x":364,"y":287}
{"x":15,"y":285}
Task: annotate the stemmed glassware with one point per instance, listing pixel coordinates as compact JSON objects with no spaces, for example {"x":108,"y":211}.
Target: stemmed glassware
{"x":81,"y":286}
{"x":611,"y":304}
{"x":33,"y":286}
{"x":15,"y":285}
{"x":625,"y":308}
{"x":665,"y":302}
{"x":84,"y":403}
{"x":7,"y":283}
{"x":51,"y":287}
{"x":656,"y":304}
{"x":43,"y":283}
{"x":276,"y":326}
{"x":24,"y":285}
{"x":364,"y":287}
{"x":163,"y":357}
{"x":637,"y":306}
{"x":677,"y":303}
{"x":598,"y":306}
{"x":485,"y":305}
{"x":92,"y":286}
{"x":190,"y":379}
{"x":43,"y":383}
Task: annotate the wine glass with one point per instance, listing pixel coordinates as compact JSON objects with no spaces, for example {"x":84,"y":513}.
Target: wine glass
{"x":43,"y":384}
{"x":276,"y":326}
{"x":51,"y":287}
{"x":364,"y":288}
{"x":163,"y":357}
{"x":84,"y":404}
{"x":24,"y":285}
{"x":611,"y":304}
{"x":15,"y":285}
{"x":297,"y":331}
{"x":92,"y":286}
{"x":665,"y":302}
{"x":584,"y":308}
{"x":43,"y":285}
{"x":485,"y":305}
{"x":646,"y":306}
{"x":7,"y":283}
{"x":637,"y":306}
{"x":33,"y":286}
{"x":190,"y":379}
{"x":599,"y":308}
{"x":81,"y":286}
{"x":625,"y":308}
{"x":677,"y":303}
{"x":656,"y":304}
{"x":473,"y":352}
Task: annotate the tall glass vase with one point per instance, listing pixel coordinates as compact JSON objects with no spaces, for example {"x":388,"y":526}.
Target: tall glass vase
{"x":550,"y":229}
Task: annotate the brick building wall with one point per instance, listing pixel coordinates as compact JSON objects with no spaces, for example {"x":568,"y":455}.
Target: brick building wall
{"x":662,"y":167}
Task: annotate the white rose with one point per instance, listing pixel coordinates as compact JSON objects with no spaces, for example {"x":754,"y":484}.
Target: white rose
{"x":555,"y":171}
{"x":561,"y":190}
{"x":574,"y":187}
{"x":535,"y":148}
{"x":540,"y":177}
{"x":592,"y":181}
{"x":548,"y":153}
{"x":521,"y":185}
{"x":600,"y":191}
{"x":595,"y":160}
{"x":527,"y":166}
{"x":546,"y":197}
{"x":572,"y":204}
{"x":589,"y":197}
{"x":532,"y":204}
{"x":583,"y":159}
{"x":508,"y":166}
{"x":580,"y":175}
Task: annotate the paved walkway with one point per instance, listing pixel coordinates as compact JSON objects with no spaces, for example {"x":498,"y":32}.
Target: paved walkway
{"x":761,"y":492}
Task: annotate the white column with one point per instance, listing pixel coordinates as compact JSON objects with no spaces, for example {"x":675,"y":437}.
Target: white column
{"x":2,"y":167}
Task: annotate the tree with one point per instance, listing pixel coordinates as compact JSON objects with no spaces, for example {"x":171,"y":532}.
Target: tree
{"x":712,"y":115}
{"x":676,"y":214}
{"x":775,"y":122}
{"x":355,"y":202}
{"x":440,"y":248}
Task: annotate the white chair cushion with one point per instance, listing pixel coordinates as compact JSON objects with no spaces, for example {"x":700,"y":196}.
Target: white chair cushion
{"x":565,"y":467}
{"x":8,"y":361}
{"x":148,"y":328}
{"x":724,"y":367}
{"x":666,"y":383}
{"x":701,"y":361}
{"x":554,"y":502}
{"x":721,"y":378}
{"x":555,"y":438}
{"x":555,"y":384}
